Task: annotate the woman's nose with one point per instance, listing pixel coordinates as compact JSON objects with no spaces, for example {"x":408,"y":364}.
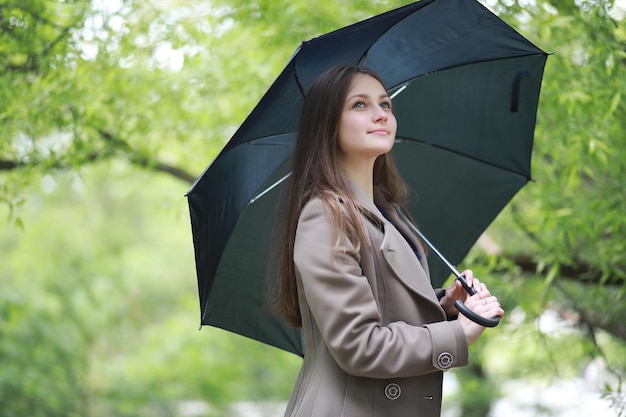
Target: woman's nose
{"x":380,"y":114}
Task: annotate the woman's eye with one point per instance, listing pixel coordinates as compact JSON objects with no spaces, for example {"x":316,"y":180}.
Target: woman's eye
{"x":385,"y":104}
{"x":359,"y":105}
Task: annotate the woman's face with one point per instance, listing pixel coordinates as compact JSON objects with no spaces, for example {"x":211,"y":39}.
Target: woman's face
{"x":367,"y":128}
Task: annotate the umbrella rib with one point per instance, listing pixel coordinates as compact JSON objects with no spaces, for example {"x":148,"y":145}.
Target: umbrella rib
{"x":268,"y":189}
{"x":482,"y":161}
{"x":398,"y":91}
{"x":265,"y":141}
{"x":405,"y":83}
{"x":399,"y":11}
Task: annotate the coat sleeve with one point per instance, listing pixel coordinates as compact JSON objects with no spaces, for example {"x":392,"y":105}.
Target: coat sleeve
{"x":344,"y":309}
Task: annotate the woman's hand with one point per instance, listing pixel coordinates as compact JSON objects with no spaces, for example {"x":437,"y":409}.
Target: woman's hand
{"x":482,"y":303}
{"x":456,"y":292}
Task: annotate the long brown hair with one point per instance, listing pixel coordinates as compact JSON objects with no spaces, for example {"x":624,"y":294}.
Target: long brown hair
{"x":317,"y":173}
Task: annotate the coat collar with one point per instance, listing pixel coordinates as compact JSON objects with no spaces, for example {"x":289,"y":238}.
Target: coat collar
{"x":365,"y":201}
{"x":378,"y":218}
{"x":414,"y":275}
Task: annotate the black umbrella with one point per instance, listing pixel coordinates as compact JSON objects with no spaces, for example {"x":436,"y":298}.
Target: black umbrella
{"x":465,"y":88}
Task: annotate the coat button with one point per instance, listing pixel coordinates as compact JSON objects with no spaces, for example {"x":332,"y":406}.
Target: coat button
{"x":444,"y":361}
{"x":393,"y":391}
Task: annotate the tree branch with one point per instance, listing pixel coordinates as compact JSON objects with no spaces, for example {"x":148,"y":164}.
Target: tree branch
{"x":145,"y":162}
{"x":580,"y":271}
{"x":165,"y":168}
{"x":7,"y":165}
{"x":114,"y":144}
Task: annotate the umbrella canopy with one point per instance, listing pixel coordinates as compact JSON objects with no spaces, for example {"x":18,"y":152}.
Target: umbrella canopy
{"x":465,"y":89}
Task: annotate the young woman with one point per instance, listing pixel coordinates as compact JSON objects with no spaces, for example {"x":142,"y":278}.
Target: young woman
{"x":377,"y":338}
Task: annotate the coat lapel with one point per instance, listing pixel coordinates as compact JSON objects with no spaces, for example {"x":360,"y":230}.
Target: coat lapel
{"x":395,"y":250}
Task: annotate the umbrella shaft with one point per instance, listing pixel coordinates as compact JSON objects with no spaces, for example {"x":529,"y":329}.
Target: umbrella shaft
{"x":452,"y":268}
{"x":432,"y":247}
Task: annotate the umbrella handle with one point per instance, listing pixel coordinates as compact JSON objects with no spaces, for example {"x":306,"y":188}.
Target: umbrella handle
{"x":483,"y":321}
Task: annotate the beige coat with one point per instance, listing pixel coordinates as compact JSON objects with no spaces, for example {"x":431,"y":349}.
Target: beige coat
{"x":376,"y":339}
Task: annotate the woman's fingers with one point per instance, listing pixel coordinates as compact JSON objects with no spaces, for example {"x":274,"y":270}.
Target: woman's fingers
{"x":469,"y":277}
{"x":480,"y":300}
{"x":485,"y":305}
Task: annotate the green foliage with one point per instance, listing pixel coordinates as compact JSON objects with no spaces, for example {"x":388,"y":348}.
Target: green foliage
{"x":572,"y":212}
{"x":569,"y":220}
{"x":98,"y":309}
{"x":100,"y":316}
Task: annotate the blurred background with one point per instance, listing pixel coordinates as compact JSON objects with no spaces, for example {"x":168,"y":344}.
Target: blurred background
{"x":109,"y":109}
